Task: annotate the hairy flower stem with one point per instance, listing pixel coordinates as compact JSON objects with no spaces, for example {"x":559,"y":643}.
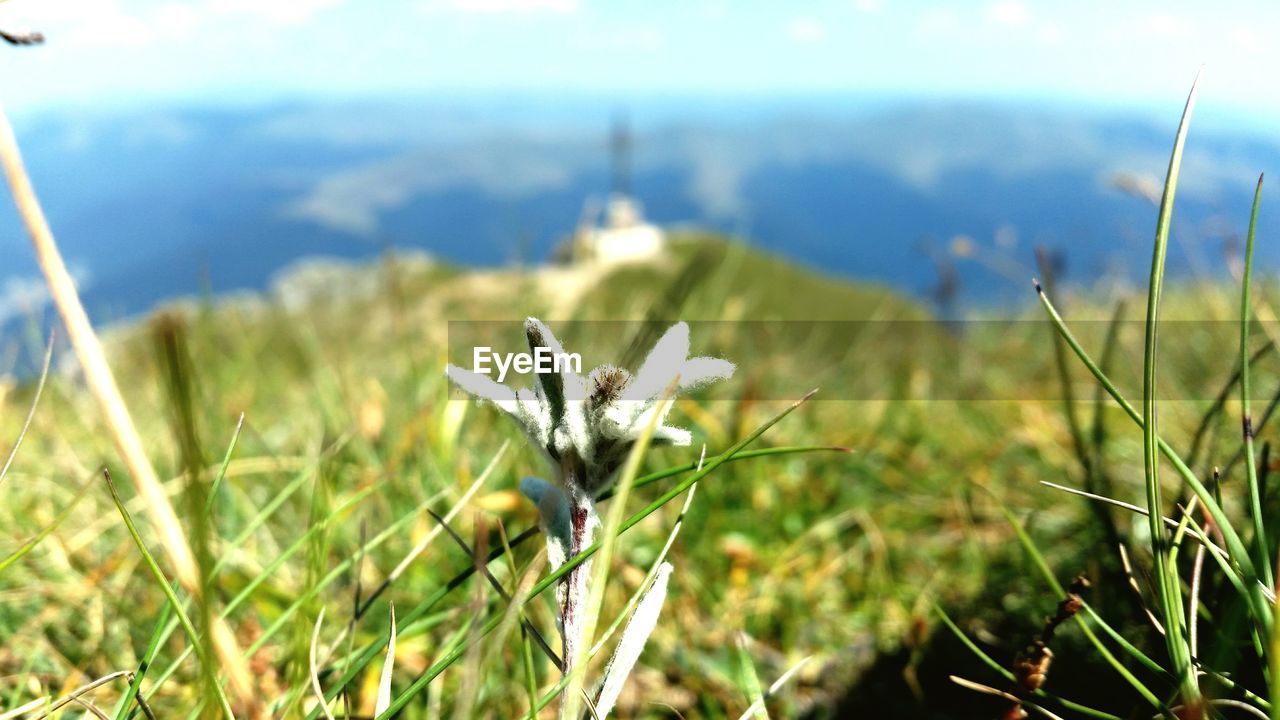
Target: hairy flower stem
{"x":582,"y":524}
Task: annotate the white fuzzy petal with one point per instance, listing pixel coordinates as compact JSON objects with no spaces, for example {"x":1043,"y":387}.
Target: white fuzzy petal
{"x":702,"y":370}
{"x":634,"y":637}
{"x":662,"y":365}
{"x":534,"y":415}
{"x":617,"y":420}
{"x":655,"y":413}
{"x":577,"y":428}
{"x":483,"y":387}
{"x":673,"y":435}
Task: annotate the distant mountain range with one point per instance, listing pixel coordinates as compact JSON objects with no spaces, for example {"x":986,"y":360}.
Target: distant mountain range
{"x":167,"y":202}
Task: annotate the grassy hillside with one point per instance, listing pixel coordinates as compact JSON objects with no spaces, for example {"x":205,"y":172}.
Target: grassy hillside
{"x":351,"y":432}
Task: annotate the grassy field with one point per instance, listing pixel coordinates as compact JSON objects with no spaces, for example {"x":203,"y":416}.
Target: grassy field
{"x":841,"y":556}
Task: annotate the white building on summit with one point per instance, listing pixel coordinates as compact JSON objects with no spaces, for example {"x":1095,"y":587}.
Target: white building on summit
{"x":620,"y":233}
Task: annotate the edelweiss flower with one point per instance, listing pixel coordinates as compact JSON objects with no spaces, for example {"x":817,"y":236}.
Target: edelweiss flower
{"x":586,"y":426}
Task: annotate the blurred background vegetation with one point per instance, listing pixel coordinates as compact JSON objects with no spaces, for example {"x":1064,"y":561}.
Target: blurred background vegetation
{"x":350,"y":428}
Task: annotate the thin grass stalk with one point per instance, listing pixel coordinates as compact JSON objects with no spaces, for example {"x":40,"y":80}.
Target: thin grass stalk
{"x":526,"y":642}
{"x":31,"y":412}
{"x":1089,"y":463}
{"x":1274,"y":667}
{"x":86,"y":688}
{"x":988,"y":690}
{"x":175,"y":359}
{"x":1263,"y":557}
{"x":226,"y":463}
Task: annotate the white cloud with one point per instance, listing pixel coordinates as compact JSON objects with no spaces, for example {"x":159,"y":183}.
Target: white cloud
{"x":1008,"y":12}
{"x":868,"y":6}
{"x":806,"y":30}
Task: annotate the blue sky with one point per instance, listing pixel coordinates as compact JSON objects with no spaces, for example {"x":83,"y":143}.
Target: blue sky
{"x":133,"y":52}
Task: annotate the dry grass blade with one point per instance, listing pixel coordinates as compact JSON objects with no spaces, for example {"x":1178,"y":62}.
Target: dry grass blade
{"x":31,"y":413}
{"x":1137,"y":590}
{"x":93,"y":709}
{"x":102,"y":384}
{"x":988,"y":690}
{"x":89,"y":687}
{"x":1168,"y":521}
{"x":313,"y":671}
{"x":384,"y":680}
{"x":24,"y":709}
{"x":1193,"y":605}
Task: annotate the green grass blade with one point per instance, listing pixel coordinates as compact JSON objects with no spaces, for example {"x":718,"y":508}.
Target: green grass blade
{"x":1261,"y":546}
{"x":748,"y":680}
{"x":148,"y":657}
{"x":226,"y":462}
{"x":163,"y":582}
{"x":1168,"y":588}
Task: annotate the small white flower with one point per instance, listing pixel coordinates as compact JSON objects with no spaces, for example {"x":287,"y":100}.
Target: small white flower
{"x":596,"y":420}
